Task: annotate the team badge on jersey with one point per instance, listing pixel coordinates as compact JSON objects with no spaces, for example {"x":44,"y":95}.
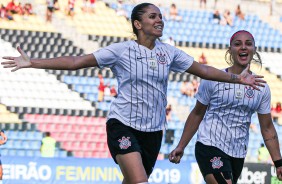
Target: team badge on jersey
{"x":124,"y":142}
{"x":152,"y":63}
{"x":239,"y":93}
{"x":250,"y":92}
{"x":161,"y":58}
{"x":216,"y":162}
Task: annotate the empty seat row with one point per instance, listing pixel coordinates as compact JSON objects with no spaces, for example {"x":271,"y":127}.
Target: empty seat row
{"x":60,"y":119}
{"x":30,"y":153}
{"x":71,"y":128}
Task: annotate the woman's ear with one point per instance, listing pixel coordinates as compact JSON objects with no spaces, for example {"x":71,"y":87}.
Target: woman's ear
{"x":137,"y":25}
{"x":229,"y":50}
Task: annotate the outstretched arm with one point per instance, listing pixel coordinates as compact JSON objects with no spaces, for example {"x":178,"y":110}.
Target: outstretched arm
{"x":59,"y":63}
{"x":271,"y":141}
{"x":211,"y":73}
{"x":191,"y":126}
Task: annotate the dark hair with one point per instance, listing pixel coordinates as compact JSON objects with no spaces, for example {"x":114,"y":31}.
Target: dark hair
{"x":136,"y":14}
{"x":228,"y":58}
{"x":47,"y":134}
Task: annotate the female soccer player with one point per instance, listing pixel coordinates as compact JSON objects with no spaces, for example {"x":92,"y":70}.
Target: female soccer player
{"x":222,"y":116}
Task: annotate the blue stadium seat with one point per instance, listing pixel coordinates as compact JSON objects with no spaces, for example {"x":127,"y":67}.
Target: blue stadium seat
{"x":29,"y":153}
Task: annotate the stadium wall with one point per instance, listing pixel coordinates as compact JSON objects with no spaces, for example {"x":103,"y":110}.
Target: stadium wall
{"x":34,"y":170}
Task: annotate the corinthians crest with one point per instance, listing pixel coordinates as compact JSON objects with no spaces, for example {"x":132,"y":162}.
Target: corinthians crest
{"x":161,"y":58}
{"x":124,"y":142}
{"x":216,"y":162}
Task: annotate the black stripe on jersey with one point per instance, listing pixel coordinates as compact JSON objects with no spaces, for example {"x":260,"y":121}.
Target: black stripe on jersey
{"x":142,"y":93}
{"x":165,"y":81}
{"x":250,"y":112}
{"x":136,"y":93}
{"x":225,"y":109}
{"x":229,"y":114}
{"x":140,"y":52}
{"x":147,"y":64}
{"x":157,"y":105}
{"x":211,"y":137}
{"x":217,"y":128}
{"x":234,"y":149}
{"x":131,"y":85}
{"x":153,"y":89}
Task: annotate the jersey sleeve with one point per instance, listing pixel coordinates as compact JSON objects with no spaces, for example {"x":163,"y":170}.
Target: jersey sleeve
{"x":181,"y":61}
{"x":204,"y":92}
{"x":265,"y":105}
{"x":108,"y":56}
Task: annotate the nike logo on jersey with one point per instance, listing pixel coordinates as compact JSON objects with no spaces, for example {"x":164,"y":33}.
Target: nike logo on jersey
{"x":139,"y":57}
{"x":227,"y":88}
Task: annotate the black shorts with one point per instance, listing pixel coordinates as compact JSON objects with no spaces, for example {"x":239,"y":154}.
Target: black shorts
{"x":50,"y":9}
{"x":212,"y":160}
{"x":123,"y":139}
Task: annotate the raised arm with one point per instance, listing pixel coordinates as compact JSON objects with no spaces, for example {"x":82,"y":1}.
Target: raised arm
{"x":211,"y":73}
{"x":191,"y":126}
{"x":59,"y":63}
{"x":271,"y":141}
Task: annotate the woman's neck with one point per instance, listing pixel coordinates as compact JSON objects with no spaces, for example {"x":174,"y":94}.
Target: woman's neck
{"x":236,"y":70}
{"x":149,"y":43}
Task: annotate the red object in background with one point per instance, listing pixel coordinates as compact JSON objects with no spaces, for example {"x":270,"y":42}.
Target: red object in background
{"x":278,"y":107}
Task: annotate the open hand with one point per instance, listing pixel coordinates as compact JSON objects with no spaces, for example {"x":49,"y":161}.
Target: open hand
{"x":176,"y":155}
{"x":252,"y":80}
{"x":22,"y":61}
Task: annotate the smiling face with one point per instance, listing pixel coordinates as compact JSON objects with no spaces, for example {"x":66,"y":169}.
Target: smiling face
{"x":242,"y":49}
{"x":151,"y":23}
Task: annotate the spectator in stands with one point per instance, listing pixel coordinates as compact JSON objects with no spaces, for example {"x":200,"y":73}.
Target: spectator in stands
{"x":239,"y":13}
{"x":5,"y":14}
{"x":184,"y":88}
{"x":3,"y":140}
{"x":92,"y":6}
{"x":49,"y":10}
{"x":203,"y":2}
{"x":11,"y":7}
{"x":19,"y":9}
{"x":142,"y":67}
{"x":101,"y":88}
{"x":263,"y":154}
{"x":222,"y":118}
{"x":173,"y":13}
{"x":2,"y":11}
{"x":70,"y":8}
{"x":216,"y":18}
{"x":203,"y":59}
{"x":195,"y":85}
{"x":28,"y":9}
{"x":228,"y":20}
{"x":107,"y":93}
{"x":168,"y":112}
{"x":113,"y":91}
{"x":48,"y":146}
{"x":278,"y":107}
